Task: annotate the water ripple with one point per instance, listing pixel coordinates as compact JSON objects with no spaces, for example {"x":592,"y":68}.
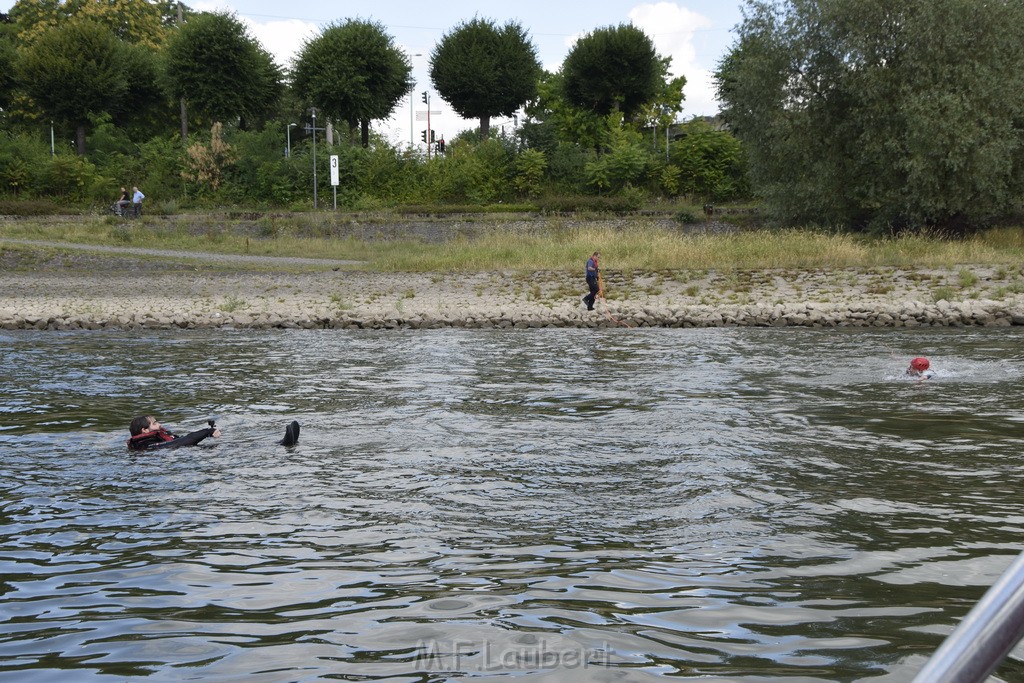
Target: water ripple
{"x":728,"y":505}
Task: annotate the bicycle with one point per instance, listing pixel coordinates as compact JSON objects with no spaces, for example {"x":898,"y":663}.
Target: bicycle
{"x":122,"y":211}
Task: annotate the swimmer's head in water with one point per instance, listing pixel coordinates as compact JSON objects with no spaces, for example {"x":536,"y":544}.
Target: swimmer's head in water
{"x":920,"y":364}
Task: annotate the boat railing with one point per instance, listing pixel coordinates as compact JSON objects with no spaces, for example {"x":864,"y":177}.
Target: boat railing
{"x":985,"y":636}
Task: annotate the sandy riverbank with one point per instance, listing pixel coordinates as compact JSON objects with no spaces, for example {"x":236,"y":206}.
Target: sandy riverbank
{"x":183,"y":297}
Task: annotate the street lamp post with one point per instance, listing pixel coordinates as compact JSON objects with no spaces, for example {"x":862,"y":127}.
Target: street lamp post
{"x":313,"y":129}
{"x":412,"y":105}
{"x":412,"y":108}
{"x":313,"y":111}
{"x":288,"y":129}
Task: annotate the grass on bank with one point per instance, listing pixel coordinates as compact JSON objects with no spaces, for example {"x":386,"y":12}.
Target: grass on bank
{"x":550,"y":245}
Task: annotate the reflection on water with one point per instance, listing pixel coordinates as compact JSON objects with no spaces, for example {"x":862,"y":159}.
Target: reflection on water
{"x":729,"y":505}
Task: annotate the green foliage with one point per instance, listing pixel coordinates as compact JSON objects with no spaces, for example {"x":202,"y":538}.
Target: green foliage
{"x":221,"y":71}
{"x":30,"y":207}
{"x":667,"y":104}
{"x":8,"y":61}
{"x":687,"y":217}
{"x":613,"y":69}
{"x":19,"y":156}
{"x":157,"y":168}
{"x":483,"y":70}
{"x":621,"y":203}
{"x":476,"y":174}
{"x":529,"y":170}
{"x":261,"y":172}
{"x":624,"y":163}
{"x":670,"y":179}
{"x":133,"y":21}
{"x":353,"y":72}
{"x":554,"y":119}
{"x":146,"y":109}
{"x":880,"y":112}
{"x":710,"y":162}
{"x":74,"y":70}
{"x":69,"y":177}
{"x":108,"y":144}
{"x":383,"y":173}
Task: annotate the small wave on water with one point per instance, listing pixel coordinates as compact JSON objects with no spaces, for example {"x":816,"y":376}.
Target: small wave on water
{"x":567,"y":505}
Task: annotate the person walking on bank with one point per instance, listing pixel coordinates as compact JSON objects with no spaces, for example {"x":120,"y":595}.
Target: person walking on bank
{"x":137,"y":198}
{"x":593,"y":280}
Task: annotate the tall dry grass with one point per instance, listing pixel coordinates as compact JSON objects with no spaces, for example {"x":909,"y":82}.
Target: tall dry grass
{"x":551,"y":246}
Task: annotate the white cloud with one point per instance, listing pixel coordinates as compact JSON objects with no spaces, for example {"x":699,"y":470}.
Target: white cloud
{"x":673,"y":28}
{"x":282,"y":38}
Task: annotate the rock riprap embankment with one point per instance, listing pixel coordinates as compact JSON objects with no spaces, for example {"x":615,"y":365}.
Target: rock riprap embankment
{"x":329,"y":299}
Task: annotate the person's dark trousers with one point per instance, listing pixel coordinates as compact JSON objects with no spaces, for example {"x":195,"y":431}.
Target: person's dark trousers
{"x":138,"y":209}
{"x":590,"y":298}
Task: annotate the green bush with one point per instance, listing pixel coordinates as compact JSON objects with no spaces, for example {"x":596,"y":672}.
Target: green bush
{"x":629,"y":200}
{"x":29,"y":207}
{"x":711,"y":163}
{"x":529,"y":168}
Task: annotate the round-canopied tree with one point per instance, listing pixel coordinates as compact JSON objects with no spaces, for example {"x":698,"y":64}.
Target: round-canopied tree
{"x":8,"y":62}
{"x":133,"y":21}
{"x":75,"y":70}
{"x":613,"y":69}
{"x":220,"y":70}
{"x":483,"y":70}
{"x":880,"y":113}
{"x":352,"y":72}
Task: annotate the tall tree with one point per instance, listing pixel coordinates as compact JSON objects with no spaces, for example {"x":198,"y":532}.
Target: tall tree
{"x":484,"y":70}
{"x":73,"y":71}
{"x":133,"y":21}
{"x":8,"y":62}
{"x":221,"y":71}
{"x":880,"y":112}
{"x":353,"y":72}
{"x":613,"y":69}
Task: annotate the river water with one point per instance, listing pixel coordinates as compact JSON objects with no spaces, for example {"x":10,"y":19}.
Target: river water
{"x":560,"y":505}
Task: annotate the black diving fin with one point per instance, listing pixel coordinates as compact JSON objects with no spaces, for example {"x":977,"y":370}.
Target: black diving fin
{"x":291,"y":434}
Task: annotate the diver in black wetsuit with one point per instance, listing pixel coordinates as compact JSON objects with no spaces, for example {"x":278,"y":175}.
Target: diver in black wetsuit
{"x":147,"y":434}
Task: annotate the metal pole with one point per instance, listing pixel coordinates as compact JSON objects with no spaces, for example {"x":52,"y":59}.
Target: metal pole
{"x":426,"y":97}
{"x":412,"y":106}
{"x":985,"y":636}
{"x":288,"y":154}
{"x":314,"y":157}
{"x":53,"y":149}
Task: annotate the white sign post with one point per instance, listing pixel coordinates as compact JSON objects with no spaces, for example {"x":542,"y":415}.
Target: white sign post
{"x":334,"y":178}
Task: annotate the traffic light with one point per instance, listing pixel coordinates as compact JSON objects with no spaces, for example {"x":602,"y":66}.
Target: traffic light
{"x":423,"y":135}
{"x":432,"y":138}
{"x":425,"y":99}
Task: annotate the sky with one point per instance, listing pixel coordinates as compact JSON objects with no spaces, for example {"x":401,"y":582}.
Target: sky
{"x":695,"y":33}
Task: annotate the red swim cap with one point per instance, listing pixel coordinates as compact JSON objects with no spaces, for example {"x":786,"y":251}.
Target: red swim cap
{"x":920,"y":364}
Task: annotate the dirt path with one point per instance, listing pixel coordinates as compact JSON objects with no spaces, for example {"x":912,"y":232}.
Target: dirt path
{"x":196,"y":255}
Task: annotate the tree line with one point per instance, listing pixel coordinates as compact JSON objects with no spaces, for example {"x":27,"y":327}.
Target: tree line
{"x":881,"y":114}
{"x":191,"y":106}
{"x":871,"y":114}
